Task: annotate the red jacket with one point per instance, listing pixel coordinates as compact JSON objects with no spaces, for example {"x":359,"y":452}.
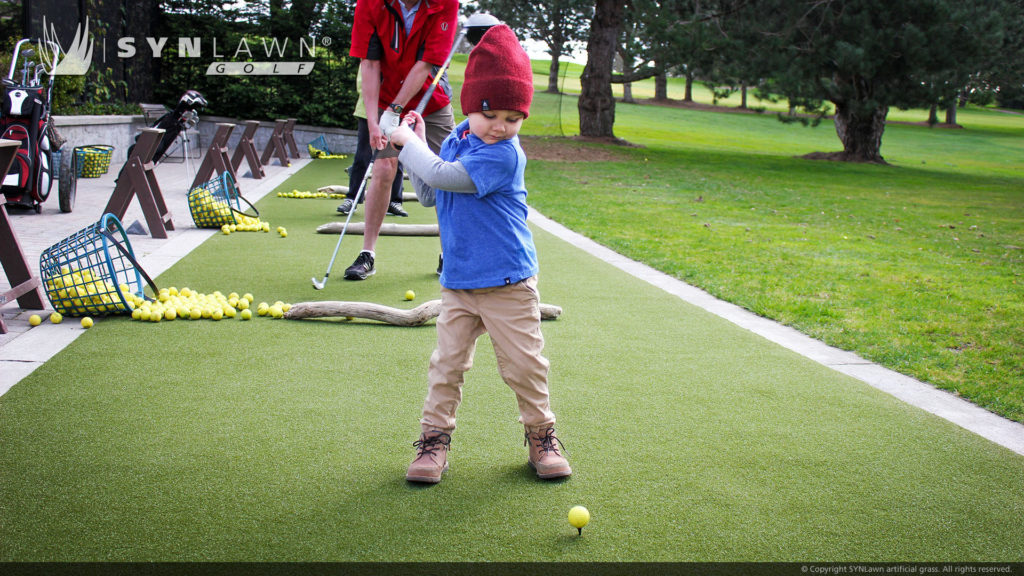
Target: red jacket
{"x":430,"y":41}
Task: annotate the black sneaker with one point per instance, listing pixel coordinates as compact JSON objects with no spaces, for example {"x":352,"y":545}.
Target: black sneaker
{"x":395,"y":208}
{"x":440,"y":264}
{"x":346,"y":206}
{"x":361,"y":268}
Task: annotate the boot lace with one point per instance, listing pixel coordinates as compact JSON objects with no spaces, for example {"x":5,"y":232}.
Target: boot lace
{"x":429,"y":445}
{"x":546,"y":443}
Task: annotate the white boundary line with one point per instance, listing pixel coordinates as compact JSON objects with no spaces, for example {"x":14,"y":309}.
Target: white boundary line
{"x":1004,"y":432}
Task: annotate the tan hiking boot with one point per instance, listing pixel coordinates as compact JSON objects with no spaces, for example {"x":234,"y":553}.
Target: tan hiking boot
{"x":545,"y":456}
{"x":431,"y":457}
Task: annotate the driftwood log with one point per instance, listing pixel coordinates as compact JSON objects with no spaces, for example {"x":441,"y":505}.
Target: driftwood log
{"x":386,"y":229}
{"x":339,"y":189}
{"x":417,"y":316}
{"x":333,"y":189}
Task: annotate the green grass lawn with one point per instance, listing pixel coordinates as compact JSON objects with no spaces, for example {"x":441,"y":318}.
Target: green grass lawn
{"x":691,"y":439}
{"x":917,"y":265}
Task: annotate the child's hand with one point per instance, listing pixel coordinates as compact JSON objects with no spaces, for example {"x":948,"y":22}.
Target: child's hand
{"x":414,"y":121}
{"x":411,"y":127}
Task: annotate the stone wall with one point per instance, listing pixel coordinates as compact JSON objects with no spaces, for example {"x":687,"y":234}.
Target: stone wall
{"x":120,"y":132}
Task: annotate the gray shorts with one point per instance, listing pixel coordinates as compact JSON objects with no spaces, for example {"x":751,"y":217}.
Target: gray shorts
{"x":438,"y":126}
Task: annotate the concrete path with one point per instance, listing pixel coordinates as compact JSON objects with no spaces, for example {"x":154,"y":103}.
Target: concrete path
{"x":23,"y":350}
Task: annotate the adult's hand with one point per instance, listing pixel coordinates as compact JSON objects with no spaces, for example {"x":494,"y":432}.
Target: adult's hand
{"x":378,"y":141}
{"x":389,"y":120}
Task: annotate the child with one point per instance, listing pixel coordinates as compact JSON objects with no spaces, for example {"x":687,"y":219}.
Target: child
{"x":489,"y":281}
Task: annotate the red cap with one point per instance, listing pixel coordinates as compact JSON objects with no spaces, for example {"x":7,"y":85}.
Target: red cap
{"x":498,"y":75}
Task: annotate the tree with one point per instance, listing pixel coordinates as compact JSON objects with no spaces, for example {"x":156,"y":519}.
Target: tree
{"x":556,"y":23}
{"x":867,"y":56}
{"x":1005,"y":72}
{"x":597,"y":103}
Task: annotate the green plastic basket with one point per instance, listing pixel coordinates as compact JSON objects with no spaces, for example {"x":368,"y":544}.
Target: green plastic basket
{"x":92,"y":271}
{"x":93,"y":160}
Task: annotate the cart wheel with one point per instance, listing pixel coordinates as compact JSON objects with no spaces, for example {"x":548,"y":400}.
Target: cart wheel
{"x":68,"y":184}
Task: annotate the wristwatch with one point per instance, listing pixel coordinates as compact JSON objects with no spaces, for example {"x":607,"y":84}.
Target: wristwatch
{"x":396,"y":108}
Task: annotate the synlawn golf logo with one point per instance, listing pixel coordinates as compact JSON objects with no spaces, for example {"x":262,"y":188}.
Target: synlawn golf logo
{"x":77,"y":58}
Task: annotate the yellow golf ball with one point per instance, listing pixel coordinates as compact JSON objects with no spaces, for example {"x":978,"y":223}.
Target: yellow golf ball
{"x":579,"y":517}
{"x":410,"y":295}
{"x":34,"y":320}
{"x":246,"y":314}
{"x":86,"y":322}
{"x":56,"y":318}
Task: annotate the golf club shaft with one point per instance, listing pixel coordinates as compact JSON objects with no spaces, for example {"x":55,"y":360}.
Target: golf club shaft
{"x":355,"y":204}
{"x":440,"y":73}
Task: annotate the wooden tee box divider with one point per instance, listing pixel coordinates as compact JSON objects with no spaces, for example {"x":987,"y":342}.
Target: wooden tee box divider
{"x":247,"y":149}
{"x":217,"y":158}
{"x":25,"y":286}
{"x":137,"y":179}
{"x":276,"y":145}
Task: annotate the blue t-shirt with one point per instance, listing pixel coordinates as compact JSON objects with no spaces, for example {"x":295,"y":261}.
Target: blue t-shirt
{"x":484,"y":236}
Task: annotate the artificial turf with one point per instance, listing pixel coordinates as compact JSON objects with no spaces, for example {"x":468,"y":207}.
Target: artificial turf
{"x":691,"y":439}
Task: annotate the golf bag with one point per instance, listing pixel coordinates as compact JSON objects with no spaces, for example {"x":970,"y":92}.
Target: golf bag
{"x":183,"y":117}
{"x":24,"y":117}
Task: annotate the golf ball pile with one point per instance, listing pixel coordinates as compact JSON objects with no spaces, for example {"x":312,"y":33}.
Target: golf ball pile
{"x":213,"y":210}
{"x":188,"y":304}
{"x":76,"y":289}
{"x":246,"y":224}
{"x":307,"y":195}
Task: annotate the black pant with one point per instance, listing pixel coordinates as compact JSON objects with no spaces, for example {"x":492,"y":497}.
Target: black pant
{"x":362,"y":161}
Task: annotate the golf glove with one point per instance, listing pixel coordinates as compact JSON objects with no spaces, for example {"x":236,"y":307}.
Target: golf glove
{"x":389,"y":121}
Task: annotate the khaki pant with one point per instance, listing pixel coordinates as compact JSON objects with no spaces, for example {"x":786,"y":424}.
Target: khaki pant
{"x":511,"y":315}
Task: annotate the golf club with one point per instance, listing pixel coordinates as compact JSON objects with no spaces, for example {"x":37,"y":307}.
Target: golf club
{"x":475,"y":26}
{"x":319,"y":285}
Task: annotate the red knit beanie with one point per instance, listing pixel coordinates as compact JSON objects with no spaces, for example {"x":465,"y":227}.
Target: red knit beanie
{"x":498,"y":75}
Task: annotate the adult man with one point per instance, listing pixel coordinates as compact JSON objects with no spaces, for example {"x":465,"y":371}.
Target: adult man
{"x":416,"y":37}
{"x":361,"y":160}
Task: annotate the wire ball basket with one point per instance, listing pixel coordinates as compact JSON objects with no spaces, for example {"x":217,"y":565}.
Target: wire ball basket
{"x":216,"y":203}
{"x":92,"y":271}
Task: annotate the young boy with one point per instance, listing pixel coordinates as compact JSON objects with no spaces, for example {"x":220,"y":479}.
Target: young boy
{"x":489,"y":281}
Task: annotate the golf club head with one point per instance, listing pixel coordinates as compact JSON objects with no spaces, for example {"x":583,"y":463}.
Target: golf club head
{"x":319,"y":285}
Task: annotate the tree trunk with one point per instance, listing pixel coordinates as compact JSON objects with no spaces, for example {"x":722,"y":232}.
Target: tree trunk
{"x":596,"y":102}
{"x":553,"y":72}
{"x":861,"y":134}
{"x":688,"y":96}
{"x":661,"y":87}
{"x":951,"y":114}
{"x":139,"y":18}
{"x":743,"y":96}
{"x":627,"y":92}
{"x":933,"y":115}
